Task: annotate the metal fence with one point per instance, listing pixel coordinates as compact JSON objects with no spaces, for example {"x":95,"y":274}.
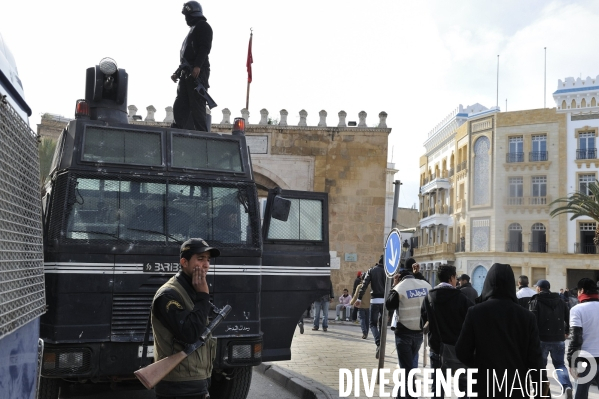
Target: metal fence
{"x":22,"y":296}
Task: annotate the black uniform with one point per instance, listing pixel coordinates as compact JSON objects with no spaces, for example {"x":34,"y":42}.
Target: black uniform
{"x":189,"y":109}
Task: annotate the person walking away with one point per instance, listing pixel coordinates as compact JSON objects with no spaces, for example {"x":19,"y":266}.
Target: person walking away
{"x":499,"y":336}
{"x":524,"y":292}
{"x":363,"y":309}
{"x":552,"y":317}
{"x":189,"y":108}
{"x":467,"y":288}
{"x":179,"y":317}
{"x":322,"y":303}
{"x":584,"y":332}
{"x":407,"y":297}
{"x":444,"y":308}
{"x":375,"y":279}
{"x":359,"y":279}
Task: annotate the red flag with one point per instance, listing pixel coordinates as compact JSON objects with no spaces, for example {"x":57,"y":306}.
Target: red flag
{"x":250,"y":60}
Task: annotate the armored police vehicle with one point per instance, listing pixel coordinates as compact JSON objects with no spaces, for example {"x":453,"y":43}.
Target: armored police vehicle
{"x":121,"y":199}
{"x":21,"y":249}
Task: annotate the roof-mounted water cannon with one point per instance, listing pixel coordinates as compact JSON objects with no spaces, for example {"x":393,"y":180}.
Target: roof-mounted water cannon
{"x":106,"y":92}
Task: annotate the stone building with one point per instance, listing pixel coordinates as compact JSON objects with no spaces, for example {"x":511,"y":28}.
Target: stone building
{"x":51,"y":125}
{"x":347,"y":162}
{"x":578,"y":100}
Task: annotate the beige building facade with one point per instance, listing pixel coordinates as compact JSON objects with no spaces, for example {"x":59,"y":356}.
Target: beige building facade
{"x":488,"y":179}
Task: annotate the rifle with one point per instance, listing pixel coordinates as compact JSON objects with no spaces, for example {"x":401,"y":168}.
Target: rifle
{"x":199,"y":86}
{"x":155,"y":372}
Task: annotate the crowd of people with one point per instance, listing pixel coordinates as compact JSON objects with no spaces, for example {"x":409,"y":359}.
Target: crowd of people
{"x":509,"y":328}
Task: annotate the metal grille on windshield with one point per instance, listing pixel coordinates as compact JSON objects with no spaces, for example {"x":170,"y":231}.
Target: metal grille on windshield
{"x":21,"y":249}
{"x":304,"y":222}
{"x":152,"y":211}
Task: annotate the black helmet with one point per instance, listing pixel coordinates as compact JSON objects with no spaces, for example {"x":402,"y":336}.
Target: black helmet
{"x":192,"y":9}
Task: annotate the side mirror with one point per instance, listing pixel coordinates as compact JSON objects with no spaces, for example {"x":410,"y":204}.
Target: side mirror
{"x":280,"y":208}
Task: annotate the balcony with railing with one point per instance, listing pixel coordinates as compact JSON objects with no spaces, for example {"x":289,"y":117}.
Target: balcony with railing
{"x":534,"y":201}
{"x":511,"y":201}
{"x":435,"y":249}
{"x":589,"y":153}
{"x":512,"y":157}
{"x":538,"y":156}
{"x":513,"y":246}
{"x":451,"y":172}
{"x":538,"y":247}
{"x":581,"y":248}
{"x":435,"y":182}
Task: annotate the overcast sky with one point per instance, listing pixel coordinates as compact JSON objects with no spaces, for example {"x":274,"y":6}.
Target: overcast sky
{"x":416,"y":60}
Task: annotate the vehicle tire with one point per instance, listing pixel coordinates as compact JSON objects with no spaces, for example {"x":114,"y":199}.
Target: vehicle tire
{"x":237,"y":387}
{"x":49,"y":388}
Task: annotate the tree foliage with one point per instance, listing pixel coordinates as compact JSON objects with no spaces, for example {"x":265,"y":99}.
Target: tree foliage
{"x":579,"y":204}
{"x":46,"y":149}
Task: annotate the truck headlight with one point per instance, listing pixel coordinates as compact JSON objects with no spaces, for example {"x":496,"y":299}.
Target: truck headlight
{"x":71,"y":360}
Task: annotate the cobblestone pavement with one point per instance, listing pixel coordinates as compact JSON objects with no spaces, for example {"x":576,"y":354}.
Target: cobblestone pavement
{"x":318,"y":356}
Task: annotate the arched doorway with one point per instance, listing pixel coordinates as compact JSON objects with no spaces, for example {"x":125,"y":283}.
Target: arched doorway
{"x":478,"y":278}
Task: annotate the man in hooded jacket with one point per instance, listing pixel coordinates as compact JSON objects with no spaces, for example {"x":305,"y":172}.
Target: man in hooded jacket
{"x":499,"y":336}
{"x":189,"y":109}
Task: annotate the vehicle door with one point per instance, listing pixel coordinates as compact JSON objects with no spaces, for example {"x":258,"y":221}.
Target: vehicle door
{"x":295,"y":265}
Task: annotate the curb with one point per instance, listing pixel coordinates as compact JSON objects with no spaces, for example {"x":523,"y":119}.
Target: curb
{"x":295,"y":383}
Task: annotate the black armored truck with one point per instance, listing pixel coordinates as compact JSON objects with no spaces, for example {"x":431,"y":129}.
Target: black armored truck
{"x":119,"y":201}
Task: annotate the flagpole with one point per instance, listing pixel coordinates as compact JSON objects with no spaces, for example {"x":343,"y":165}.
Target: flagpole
{"x":247,"y":97}
{"x":248,"y":65}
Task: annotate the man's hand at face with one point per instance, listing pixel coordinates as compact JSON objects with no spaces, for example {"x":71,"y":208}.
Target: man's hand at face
{"x":198,"y":279}
{"x":196,"y":72}
{"x":415,"y":268}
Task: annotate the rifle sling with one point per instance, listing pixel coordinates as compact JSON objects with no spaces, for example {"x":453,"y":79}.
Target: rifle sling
{"x":144,"y":351}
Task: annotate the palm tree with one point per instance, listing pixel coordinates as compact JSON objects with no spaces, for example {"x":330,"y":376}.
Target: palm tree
{"x":581,"y":204}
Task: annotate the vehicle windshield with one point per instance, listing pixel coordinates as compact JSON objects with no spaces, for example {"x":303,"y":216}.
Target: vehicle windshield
{"x":154,"y":212}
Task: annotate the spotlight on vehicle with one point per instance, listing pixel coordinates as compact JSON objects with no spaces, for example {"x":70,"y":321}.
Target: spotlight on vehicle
{"x":108,"y":66}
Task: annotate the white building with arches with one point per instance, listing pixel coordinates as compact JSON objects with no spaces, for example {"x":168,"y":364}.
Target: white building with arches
{"x":487,"y":182}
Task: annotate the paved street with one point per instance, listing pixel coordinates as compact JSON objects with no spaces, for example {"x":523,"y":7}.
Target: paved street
{"x":317,"y":356}
{"x":262,"y":388}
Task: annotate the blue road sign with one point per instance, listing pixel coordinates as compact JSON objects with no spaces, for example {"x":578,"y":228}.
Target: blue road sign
{"x":392,"y":253}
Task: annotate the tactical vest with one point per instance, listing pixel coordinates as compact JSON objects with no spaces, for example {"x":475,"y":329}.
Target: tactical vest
{"x":198,"y":365}
{"x":411,"y":295}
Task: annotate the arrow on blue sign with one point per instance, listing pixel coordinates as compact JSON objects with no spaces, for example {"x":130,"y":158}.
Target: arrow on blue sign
{"x":392,"y":252}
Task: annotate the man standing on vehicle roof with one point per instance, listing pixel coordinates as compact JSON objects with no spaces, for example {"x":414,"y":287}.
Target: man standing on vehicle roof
{"x":189,"y":109}
{"x":179,"y":316}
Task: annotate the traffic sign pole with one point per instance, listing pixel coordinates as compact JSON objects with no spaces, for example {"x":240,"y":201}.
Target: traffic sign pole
{"x":393,"y":240}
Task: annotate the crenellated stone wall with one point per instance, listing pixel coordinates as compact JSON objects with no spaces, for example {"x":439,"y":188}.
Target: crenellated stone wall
{"x":349,"y":163}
